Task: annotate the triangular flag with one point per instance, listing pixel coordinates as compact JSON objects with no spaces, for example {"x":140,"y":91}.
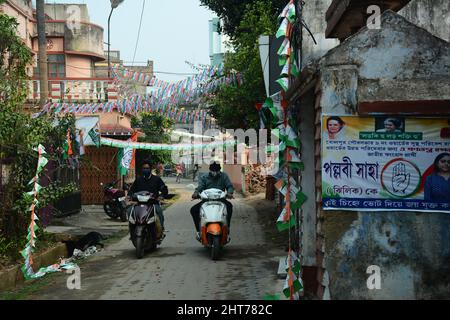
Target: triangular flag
{"x":292,"y":285}
{"x":283,"y":29}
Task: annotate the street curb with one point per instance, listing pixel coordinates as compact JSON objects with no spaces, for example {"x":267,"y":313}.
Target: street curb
{"x":11,"y":278}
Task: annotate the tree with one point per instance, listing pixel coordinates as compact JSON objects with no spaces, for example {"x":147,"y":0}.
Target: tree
{"x":234,"y":107}
{"x":157,"y":130}
{"x":20,"y":134}
{"x":232,"y":12}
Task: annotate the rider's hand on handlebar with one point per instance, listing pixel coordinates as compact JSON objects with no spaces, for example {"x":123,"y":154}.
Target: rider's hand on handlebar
{"x":230,"y":196}
{"x":195,"y":196}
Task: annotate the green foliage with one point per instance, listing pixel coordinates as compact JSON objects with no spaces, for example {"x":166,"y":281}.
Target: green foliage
{"x":54,"y":192}
{"x":14,"y":60}
{"x":157,"y":130}
{"x":234,"y":107}
{"x":20,"y":133}
{"x":232,"y":12}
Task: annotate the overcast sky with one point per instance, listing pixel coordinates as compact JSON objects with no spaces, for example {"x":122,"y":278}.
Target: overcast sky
{"x":172,"y":32}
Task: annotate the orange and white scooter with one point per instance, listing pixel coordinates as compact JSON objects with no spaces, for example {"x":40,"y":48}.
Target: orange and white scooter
{"x":213,"y":221}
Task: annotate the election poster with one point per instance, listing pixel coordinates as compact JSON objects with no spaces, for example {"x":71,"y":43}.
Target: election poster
{"x":385,"y":163}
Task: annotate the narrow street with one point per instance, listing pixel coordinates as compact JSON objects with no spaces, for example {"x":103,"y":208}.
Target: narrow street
{"x":181,"y":267}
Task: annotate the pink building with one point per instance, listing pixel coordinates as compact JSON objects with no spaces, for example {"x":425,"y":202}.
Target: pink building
{"x":73,"y":49}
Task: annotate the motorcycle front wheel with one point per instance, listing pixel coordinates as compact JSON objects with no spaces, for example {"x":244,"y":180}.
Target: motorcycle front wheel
{"x":140,"y":247}
{"x":109,"y":210}
{"x":215,"y":247}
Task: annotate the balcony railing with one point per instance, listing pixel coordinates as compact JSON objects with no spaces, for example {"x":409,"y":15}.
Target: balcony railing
{"x":75,"y":90}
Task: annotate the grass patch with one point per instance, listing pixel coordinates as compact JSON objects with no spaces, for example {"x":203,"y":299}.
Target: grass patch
{"x":30,"y":287}
{"x":10,"y":248}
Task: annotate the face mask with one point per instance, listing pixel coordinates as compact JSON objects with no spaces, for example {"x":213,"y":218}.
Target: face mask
{"x":146,"y":173}
{"x":213,"y":173}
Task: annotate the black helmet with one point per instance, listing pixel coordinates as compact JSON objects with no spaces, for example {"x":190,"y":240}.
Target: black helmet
{"x":147,"y":162}
{"x":215,"y":167}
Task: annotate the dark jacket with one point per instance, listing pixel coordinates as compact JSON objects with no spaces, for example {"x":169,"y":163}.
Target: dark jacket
{"x":222,"y":182}
{"x":154,"y":184}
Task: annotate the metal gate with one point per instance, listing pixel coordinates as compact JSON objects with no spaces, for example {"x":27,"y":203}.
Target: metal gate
{"x":101,"y":167}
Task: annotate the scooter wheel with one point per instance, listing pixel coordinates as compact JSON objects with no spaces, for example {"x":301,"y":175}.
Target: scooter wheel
{"x":109,"y":210}
{"x":140,"y":250}
{"x":215,"y":247}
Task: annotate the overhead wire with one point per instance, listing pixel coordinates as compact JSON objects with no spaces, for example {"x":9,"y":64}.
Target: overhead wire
{"x":139,"y":31}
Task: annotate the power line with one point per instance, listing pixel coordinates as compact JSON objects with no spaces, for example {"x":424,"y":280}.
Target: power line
{"x":139,"y":31}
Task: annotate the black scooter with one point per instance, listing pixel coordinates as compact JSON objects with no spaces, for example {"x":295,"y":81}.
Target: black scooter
{"x":145,"y":227}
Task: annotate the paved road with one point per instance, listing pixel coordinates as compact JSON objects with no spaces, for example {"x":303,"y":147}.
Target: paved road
{"x":181,"y":268}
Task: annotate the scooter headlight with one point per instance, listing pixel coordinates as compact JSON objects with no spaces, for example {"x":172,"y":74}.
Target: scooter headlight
{"x":143,"y":199}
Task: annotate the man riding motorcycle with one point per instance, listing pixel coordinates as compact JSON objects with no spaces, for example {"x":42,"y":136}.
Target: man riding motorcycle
{"x":217,"y":180}
{"x":153,"y":184}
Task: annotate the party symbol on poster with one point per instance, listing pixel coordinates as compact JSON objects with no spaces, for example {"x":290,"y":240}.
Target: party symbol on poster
{"x":401,"y":178}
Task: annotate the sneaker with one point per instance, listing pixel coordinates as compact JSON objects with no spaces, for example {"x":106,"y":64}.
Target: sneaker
{"x":228,"y":239}
{"x":197,"y":236}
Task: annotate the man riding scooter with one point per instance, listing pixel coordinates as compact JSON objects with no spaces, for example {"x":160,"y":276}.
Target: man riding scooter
{"x":214,"y":180}
{"x":153,"y":184}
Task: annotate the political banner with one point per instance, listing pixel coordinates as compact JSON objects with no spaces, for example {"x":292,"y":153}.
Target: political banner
{"x":385,"y":163}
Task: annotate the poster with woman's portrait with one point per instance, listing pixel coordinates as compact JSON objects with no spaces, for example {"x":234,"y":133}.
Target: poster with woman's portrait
{"x":385,"y":163}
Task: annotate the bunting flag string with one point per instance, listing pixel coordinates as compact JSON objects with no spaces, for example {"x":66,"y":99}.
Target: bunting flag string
{"x":207,"y":81}
{"x":276,"y":114}
{"x":134,"y":106}
{"x":158,"y":147}
{"x":30,"y":247}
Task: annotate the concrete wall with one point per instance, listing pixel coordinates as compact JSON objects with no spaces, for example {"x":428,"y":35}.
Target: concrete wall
{"x":307,"y":182}
{"x":61,"y":11}
{"x":314,"y":16}
{"x":412,"y":249}
{"x":388,"y":59}
{"x":83,"y":36}
{"x":433,"y":15}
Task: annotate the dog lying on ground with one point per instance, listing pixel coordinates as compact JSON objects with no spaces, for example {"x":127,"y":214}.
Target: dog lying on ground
{"x":89,"y":240}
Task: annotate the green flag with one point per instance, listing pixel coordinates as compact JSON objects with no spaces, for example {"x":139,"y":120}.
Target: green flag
{"x":125,"y":157}
{"x":95,"y":136}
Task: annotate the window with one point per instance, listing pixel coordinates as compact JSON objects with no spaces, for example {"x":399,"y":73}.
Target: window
{"x":56,"y":66}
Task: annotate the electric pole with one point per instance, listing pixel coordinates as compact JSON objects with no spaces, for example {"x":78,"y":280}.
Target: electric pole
{"x":42,"y":61}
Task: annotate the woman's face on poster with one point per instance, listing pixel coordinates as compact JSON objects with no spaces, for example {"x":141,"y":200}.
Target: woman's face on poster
{"x":389,"y":126}
{"x":334,"y":126}
{"x":444,"y":164}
